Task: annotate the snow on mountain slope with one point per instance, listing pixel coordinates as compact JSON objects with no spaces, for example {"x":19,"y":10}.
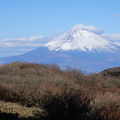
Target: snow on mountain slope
{"x":82,"y":38}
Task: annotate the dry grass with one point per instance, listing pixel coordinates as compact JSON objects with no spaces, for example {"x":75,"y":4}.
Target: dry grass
{"x":21,"y":111}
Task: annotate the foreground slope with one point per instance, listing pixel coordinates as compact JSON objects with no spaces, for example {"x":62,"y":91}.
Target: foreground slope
{"x":63,"y":95}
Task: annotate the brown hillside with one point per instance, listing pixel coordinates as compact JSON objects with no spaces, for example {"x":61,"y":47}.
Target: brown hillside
{"x":66,"y":95}
{"x":112,"y":72}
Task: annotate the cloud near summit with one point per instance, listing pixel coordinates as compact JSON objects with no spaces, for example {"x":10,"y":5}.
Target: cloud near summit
{"x":112,"y":37}
{"x":89,"y":28}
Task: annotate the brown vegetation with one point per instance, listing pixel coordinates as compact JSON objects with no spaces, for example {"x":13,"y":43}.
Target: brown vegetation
{"x":64,"y":95}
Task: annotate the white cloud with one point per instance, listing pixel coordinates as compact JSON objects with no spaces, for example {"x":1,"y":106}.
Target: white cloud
{"x":112,"y":37}
{"x":7,"y":44}
{"x":89,"y":28}
{"x":33,"y":38}
{"x":34,"y":41}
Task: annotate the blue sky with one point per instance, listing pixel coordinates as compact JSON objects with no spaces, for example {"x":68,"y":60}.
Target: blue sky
{"x":26,"y":18}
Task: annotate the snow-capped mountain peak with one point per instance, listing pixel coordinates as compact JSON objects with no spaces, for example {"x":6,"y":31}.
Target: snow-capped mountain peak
{"x":82,"y":38}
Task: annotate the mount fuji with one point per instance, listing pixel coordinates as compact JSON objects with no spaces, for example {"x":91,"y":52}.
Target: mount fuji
{"x":81,"y":47}
{"x":80,"y":38}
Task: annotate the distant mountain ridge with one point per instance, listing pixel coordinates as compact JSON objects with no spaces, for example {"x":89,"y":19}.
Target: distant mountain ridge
{"x":81,"y":47}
